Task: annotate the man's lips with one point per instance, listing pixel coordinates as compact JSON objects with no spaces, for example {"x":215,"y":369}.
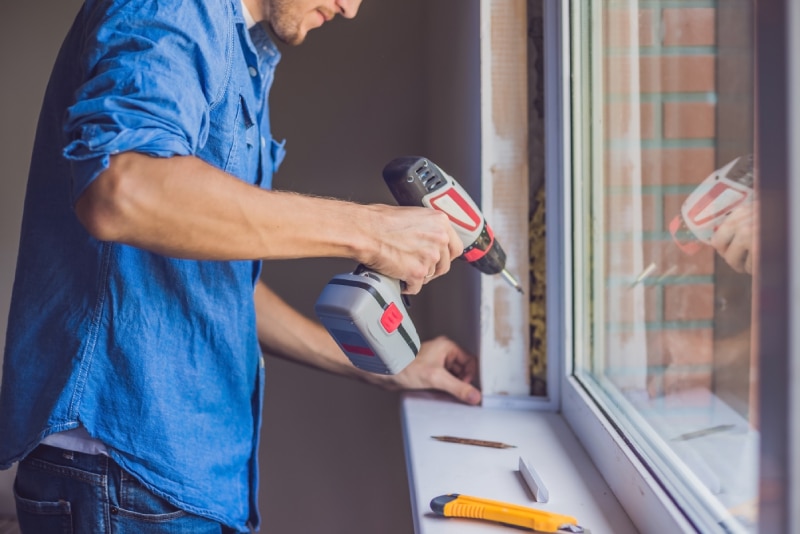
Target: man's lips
{"x":325,"y":16}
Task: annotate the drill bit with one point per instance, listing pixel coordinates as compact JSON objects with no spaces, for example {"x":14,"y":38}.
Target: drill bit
{"x":513,"y":281}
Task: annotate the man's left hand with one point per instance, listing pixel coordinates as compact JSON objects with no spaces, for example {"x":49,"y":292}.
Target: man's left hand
{"x":442,"y":365}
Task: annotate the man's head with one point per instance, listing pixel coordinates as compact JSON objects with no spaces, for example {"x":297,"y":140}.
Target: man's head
{"x":291,"y":20}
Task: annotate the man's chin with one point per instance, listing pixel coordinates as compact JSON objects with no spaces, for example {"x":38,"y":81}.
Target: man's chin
{"x":290,"y":38}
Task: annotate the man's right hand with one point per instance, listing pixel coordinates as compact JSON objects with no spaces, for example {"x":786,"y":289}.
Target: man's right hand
{"x":415,"y":244}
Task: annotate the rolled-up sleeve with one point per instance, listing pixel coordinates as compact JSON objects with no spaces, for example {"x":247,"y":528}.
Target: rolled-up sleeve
{"x":152,"y":72}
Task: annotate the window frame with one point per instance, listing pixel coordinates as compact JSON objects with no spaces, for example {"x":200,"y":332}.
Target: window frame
{"x":778,"y":131}
{"x":632,"y":480}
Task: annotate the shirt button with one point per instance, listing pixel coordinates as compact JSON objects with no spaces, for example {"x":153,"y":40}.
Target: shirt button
{"x":253,"y":72}
{"x":263,"y":142}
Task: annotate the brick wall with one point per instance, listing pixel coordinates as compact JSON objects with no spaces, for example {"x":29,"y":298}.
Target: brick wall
{"x":659,"y":71}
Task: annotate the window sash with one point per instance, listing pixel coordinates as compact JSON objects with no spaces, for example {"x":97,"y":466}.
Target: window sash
{"x":633,"y":481}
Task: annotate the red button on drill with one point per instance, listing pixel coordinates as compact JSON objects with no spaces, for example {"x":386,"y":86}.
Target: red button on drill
{"x":391,"y":318}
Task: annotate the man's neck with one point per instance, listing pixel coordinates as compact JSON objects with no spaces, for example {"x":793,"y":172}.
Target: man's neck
{"x":248,"y":15}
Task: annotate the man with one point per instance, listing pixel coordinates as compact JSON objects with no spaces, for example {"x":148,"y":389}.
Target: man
{"x":133,"y":377}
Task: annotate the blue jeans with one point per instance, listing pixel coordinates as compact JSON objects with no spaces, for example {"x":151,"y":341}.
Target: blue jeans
{"x":60,"y":491}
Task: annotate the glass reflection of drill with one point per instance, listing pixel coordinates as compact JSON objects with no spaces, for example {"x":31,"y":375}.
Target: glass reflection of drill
{"x":711,"y":202}
{"x":705,"y":209}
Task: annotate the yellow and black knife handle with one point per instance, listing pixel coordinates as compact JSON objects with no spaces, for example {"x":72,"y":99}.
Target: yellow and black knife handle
{"x":457,"y":505}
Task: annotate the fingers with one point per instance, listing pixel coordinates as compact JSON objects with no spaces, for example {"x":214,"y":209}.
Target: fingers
{"x":413,"y":244}
{"x":456,"y":386}
{"x":442,"y":365}
{"x":450,"y":250}
{"x":436,"y":260}
{"x":440,"y":267}
{"x":458,"y":371}
{"x":466,"y":393}
{"x":737,"y":254}
{"x":733,"y":239}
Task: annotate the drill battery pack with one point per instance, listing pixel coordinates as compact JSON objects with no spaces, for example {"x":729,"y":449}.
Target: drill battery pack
{"x":364,"y":312}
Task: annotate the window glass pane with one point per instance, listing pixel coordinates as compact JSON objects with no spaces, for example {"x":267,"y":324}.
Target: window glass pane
{"x":663,"y":126}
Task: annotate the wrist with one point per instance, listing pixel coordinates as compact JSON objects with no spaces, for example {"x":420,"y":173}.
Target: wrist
{"x":365,"y":245}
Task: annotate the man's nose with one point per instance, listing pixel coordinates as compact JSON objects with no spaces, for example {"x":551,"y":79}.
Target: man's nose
{"x":348,"y":8}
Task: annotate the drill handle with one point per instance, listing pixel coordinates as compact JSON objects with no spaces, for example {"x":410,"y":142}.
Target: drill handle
{"x":417,"y":181}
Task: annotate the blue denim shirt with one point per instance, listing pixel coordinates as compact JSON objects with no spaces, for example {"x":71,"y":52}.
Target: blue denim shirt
{"x":156,"y":357}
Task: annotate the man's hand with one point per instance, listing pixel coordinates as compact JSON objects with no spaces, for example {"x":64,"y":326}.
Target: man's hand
{"x":415,"y":245}
{"x":733,"y":240}
{"x":442,"y":365}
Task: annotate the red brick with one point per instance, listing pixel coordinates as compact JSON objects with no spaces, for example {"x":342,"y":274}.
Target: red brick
{"x":658,"y":166}
{"x":689,"y":120}
{"x":618,"y":74}
{"x":677,"y":74}
{"x":622,"y":215}
{"x":677,"y":166}
{"x":689,"y":302}
{"x":680,"y":347}
{"x":626,"y":358}
{"x":689,"y":26}
{"x":621,"y":166}
{"x":678,"y":378}
{"x":619,"y":120}
{"x":659,"y":74}
{"x":667,"y":257}
{"x":672,"y":261}
{"x":621,"y":305}
{"x":618,"y":23}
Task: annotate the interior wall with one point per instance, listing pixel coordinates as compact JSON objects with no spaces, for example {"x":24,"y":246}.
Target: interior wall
{"x":453,"y":141}
{"x":348,"y":102}
{"x":29,"y":40}
{"x":400,"y":79}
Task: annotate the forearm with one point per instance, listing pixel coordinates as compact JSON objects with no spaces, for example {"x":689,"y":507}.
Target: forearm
{"x":440,"y":365}
{"x":284,"y":332}
{"x":183,"y":207}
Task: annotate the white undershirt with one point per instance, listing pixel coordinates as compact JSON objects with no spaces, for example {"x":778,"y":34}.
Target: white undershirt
{"x":78,"y":440}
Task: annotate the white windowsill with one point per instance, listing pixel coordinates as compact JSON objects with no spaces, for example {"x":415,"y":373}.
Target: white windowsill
{"x":543,"y":439}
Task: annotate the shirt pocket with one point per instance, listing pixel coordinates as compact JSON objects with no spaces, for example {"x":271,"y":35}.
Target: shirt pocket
{"x":272,"y":154}
{"x":242,"y":159}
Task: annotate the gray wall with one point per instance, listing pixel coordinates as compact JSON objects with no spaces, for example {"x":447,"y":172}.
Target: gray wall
{"x":29,"y":40}
{"x":400,"y":79}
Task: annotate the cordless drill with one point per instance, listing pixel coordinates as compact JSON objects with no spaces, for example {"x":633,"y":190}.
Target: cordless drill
{"x":707,"y":207}
{"x":364,"y":311}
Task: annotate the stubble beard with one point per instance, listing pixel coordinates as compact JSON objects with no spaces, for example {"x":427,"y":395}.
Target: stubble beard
{"x":284,"y":22}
